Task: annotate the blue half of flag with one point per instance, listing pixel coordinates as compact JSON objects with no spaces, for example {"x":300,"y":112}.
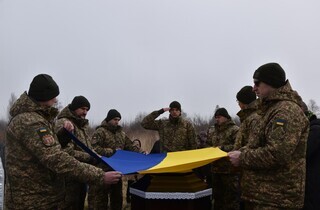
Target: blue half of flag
{"x":131,"y":162}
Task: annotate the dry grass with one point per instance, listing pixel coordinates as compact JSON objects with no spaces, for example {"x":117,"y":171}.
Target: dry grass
{"x":147,"y":138}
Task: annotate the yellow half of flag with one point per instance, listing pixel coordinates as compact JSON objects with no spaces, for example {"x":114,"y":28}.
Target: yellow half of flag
{"x":184,"y":161}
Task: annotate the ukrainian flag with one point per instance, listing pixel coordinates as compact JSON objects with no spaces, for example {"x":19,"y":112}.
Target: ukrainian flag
{"x":172,"y":162}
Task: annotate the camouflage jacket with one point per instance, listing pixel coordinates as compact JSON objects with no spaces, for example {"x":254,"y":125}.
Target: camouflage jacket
{"x":106,"y":139}
{"x":249,"y":119}
{"x":80,"y":131}
{"x":223,"y":136}
{"x":174,"y":136}
{"x":34,"y":160}
{"x":274,"y":159}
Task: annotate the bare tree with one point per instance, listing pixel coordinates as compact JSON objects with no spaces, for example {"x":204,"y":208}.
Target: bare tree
{"x":199,"y":123}
{"x":212,"y":119}
{"x":3,"y":126}
{"x":12,"y":99}
{"x":313,"y":107}
{"x":134,"y":130}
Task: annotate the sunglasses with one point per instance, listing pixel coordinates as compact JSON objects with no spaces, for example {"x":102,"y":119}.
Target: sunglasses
{"x":257,"y":83}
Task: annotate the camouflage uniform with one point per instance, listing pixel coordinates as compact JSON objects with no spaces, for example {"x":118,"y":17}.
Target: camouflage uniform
{"x":75,"y":191}
{"x":225,"y":182}
{"x":35,"y":162}
{"x":175,"y":134}
{"x":105,"y":140}
{"x":274,"y":159}
{"x":249,"y":119}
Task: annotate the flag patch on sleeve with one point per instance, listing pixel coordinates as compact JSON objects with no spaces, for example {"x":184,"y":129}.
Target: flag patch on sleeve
{"x":42,"y":130}
{"x":46,"y":136}
{"x":280,"y":122}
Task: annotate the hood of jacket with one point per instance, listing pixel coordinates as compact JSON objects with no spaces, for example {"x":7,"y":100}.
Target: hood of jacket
{"x":252,"y":107}
{"x":25,"y":104}
{"x":284,"y":93}
{"x":109,"y":127}
{"x":224,"y":126}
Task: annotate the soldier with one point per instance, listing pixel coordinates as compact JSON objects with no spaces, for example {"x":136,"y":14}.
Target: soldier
{"x":75,"y":113}
{"x":274,"y":159}
{"x":312,"y":195}
{"x":248,"y":104}
{"x":108,"y":138}
{"x":225,"y":183}
{"x":176,"y":133}
{"x":35,"y":163}
{"x":202,"y":139}
{"x":248,"y":115}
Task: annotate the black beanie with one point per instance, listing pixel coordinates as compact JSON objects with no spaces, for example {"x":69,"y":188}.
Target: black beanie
{"x":112,"y":114}
{"x":175,"y":104}
{"x":271,"y":74}
{"x":43,"y":88}
{"x":78,"y":102}
{"x":246,"y":95}
{"x":222,"y":112}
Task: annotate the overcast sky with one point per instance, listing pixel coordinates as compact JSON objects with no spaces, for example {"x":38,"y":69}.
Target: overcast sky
{"x":139,"y":55}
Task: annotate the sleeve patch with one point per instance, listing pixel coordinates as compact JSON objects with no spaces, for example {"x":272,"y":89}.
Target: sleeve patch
{"x":280,"y":122}
{"x":42,"y":130}
{"x":46,"y":136}
{"x":48,"y":140}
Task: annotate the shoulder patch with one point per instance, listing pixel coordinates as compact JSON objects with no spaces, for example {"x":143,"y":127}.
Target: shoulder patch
{"x":46,"y":136}
{"x":48,"y":140}
{"x":42,"y":130}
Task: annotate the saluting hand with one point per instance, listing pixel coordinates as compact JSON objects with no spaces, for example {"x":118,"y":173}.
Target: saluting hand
{"x":166,"y":109}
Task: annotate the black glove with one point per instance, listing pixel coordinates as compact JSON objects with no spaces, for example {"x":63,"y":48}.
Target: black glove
{"x":63,"y":138}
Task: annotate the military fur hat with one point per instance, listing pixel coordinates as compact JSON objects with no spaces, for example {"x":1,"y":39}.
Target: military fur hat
{"x":43,"y":88}
{"x":78,"y":102}
{"x":246,"y":95}
{"x":271,"y":74}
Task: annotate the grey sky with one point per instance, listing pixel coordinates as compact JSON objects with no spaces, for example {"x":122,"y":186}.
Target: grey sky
{"x":138,"y":56}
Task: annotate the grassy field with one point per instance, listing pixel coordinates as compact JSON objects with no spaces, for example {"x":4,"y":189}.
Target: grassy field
{"x":147,"y":138}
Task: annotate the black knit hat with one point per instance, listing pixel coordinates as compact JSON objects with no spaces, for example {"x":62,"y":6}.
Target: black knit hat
{"x":78,"y":102}
{"x":222,"y":112}
{"x":246,"y":95}
{"x":43,"y":88}
{"x":175,"y":104}
{"x":271,"y":74}
{"x":112,"y":114}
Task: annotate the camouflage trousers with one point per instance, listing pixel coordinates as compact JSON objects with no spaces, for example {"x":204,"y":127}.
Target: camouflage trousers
{"x":255,"y":206}
{"x":99,"y":196}
{"x":226,"y":191}
{"x":75,"y":195}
